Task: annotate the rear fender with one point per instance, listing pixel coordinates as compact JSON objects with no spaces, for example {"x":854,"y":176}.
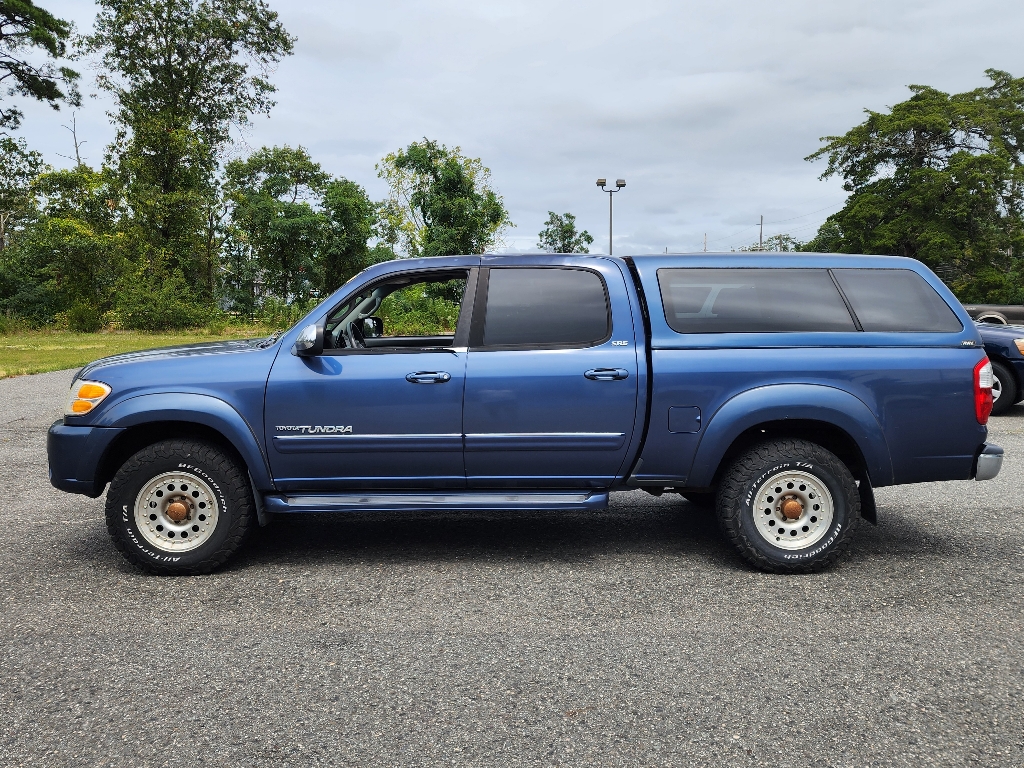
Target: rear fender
{"x":779,"y":402}
{"x":193,"y":408}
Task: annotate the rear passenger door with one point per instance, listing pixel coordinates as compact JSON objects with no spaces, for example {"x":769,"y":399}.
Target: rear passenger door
{"x":551,"y":378}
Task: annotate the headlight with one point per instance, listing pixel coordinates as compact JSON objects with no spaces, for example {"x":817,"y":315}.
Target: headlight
{"x":1020,"y":345}
{"x":85,"y":395}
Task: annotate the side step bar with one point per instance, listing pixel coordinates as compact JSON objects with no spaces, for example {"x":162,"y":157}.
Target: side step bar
{"x":389,"y":502}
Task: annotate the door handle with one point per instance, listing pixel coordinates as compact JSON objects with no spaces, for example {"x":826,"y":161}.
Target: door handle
{"x":606,"y":374}
{"x":428,"y":377}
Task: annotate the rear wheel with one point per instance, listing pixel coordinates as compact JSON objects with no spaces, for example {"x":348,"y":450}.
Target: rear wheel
{"x":179,"y":507}
{"x":1004,"y":389}
{"x":789,"y":506}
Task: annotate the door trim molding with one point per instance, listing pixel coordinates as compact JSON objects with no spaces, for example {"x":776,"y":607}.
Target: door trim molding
{"x":365,"y":443}
{"x":545,"y":441}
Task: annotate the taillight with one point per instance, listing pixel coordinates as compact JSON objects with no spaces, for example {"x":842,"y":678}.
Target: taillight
{"x":983,"y":380}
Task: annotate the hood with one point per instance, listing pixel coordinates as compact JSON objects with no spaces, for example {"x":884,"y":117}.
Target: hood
{"x":999,"y":332}
{"x":206,"y":348}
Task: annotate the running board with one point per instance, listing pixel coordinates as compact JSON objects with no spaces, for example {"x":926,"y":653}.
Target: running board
{"x":390,"y":502}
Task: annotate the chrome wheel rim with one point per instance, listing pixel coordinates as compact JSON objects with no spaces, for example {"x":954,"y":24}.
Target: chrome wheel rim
{"x":997,"y":388}
{"x":176,"y":512}
{"x":793,"y":510}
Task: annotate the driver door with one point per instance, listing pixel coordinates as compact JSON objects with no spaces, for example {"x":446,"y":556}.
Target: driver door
{"x":382,"y":406}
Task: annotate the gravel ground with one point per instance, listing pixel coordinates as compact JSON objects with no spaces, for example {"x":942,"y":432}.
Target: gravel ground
{"x":627,"y":637}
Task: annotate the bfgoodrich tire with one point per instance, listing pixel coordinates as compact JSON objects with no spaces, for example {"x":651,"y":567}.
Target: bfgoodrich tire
{"x":179,"y":507}
{"x":789,"y":506}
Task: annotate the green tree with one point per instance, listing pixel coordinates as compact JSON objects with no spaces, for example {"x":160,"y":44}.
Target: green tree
{"x":275,"y":227}
{"x":18,"y":168}
{"x":69,"y":254}
{"x":939,"y":178}
{"x":560,"y":236}
{"x":775,"y":244}
{"x":351,"y":219}
{"x":829,"y":239}
{"x":23,"y":27}
{"x":182,"y":73}
{"x":441,"y":202}
{"x":293,"y":231}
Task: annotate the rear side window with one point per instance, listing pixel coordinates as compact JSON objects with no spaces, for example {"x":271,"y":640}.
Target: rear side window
{"x":542,"y":307}
{"x":752,"y":301}
{"x":896,"y":300}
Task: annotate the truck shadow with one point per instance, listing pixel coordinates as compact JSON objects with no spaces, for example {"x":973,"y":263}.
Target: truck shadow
{"x":661,"y":528}
{"x":492,"y":536}
{"x":665,"y":528}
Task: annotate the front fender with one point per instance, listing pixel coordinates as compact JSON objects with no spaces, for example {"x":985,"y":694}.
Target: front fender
{"x":779,"y":402}
{"x":195,"y":409}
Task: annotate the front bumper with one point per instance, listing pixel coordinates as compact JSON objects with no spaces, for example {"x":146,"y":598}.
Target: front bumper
{"x":989,"y":462}
{"x":74,"y":455}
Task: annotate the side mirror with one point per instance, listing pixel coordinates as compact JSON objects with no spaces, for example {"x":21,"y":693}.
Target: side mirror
{"x":373,"y":327}
{"x":310,"y":341}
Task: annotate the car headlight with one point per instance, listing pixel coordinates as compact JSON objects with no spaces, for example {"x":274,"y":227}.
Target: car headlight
{"x":1020,"y":345}
{"x":85,"y":395}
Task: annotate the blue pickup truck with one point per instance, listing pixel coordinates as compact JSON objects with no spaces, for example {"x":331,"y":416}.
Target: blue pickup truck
{"x":782,"y":389}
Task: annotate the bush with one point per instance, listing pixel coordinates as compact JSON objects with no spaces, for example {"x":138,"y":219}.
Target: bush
{"x":11,"y":323}
{"x":274,"y":313}
{"x":84,"y":318}
{"x":171,"y":306}
{"x":217,"y":325}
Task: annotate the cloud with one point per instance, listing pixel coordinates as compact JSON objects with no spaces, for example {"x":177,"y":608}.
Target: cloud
{"x":707,"y":109}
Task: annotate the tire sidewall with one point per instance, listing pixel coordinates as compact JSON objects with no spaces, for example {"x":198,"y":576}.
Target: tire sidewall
{"x":821,"y":549}
{"x":1008,"y":393}
{"x":125,"y":490}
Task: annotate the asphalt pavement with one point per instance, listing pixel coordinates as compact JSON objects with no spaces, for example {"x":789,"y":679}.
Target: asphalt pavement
{"x":629,"y":637}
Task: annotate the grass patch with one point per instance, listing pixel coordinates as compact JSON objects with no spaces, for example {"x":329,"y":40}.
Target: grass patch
{"x":42,"y":351}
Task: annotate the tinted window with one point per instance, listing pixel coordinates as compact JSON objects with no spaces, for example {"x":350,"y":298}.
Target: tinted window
{"x":545,"y":306}
{"x":752,"y":301}
{"x":896,"y":300}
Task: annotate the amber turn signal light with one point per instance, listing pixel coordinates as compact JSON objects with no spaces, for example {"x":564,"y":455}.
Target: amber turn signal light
{"x":85,"y":395}
{"x":1019,"y":343}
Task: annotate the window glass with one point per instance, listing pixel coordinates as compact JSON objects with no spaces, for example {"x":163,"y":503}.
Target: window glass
{"x":406,"y":309}
{"x":545,"y":306}
{"x":896,"y":300}
{"x":422,"y":309}
{"x":752,"y":301}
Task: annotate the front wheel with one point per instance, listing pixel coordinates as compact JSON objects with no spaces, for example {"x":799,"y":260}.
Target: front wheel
{"x":789,"y":506}
{"x":179,"y":507}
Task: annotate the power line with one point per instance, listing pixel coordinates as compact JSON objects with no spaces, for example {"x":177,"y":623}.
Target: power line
{"x":732,"y":237}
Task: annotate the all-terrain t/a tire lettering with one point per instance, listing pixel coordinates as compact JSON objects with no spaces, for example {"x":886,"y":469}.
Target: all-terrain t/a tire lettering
{"x":179,"y":507}
{"x":789,"y":506}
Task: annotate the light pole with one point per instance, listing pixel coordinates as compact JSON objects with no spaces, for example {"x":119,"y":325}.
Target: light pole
{"x":619,"y":184}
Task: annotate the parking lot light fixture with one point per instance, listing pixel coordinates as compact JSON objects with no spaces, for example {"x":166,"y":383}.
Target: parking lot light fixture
{"x":619,"y":184}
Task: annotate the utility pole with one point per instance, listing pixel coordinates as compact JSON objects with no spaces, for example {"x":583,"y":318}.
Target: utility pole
{"x":705,"y":242}
{"x":760,"y":237}
{"x":619,"y":184}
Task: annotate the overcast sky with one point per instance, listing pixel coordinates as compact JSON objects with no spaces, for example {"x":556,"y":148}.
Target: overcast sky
{"x":707,"y":109}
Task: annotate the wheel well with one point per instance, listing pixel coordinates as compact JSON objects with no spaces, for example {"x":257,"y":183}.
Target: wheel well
{"x":993,"y":318}
{"x":134,"y":439}
{"x":826,"y":435}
